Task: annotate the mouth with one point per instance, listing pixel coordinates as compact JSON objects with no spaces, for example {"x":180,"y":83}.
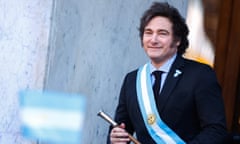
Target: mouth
{"x":154,"y":47}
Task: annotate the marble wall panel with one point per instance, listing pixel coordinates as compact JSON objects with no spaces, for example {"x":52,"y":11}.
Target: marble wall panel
{"x":24,"y":35}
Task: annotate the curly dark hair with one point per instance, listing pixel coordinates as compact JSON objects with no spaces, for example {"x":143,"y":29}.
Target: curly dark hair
{"x":180,"y":29}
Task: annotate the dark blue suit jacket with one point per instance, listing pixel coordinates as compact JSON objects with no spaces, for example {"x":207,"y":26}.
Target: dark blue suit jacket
{"x":190,"y":104}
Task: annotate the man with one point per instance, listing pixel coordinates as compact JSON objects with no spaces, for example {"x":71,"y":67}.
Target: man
{"x":186,"y":106}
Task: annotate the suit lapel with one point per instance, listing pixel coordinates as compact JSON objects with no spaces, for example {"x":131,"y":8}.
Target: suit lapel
{"x":172,"y":78}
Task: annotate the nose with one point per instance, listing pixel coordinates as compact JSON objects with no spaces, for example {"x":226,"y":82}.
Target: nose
{"x":154,"y":38}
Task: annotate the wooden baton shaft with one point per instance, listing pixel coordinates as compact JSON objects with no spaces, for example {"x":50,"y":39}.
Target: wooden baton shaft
{"x":133,"y":139}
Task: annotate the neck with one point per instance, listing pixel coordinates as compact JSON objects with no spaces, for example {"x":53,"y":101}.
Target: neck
{"x":160,"y":62}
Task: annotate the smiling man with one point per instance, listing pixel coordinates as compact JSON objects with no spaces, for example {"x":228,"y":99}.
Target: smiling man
{"x":169,"y":100}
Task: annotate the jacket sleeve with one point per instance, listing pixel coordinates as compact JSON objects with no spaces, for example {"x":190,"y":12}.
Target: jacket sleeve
{"x":121,"y":113}
{"x":210,"y":109}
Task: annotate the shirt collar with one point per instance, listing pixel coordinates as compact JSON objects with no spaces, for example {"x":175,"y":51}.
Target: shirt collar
{"x":166,"y":66}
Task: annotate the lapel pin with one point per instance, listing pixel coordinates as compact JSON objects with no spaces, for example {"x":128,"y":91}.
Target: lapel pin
{"x":177,"y":72}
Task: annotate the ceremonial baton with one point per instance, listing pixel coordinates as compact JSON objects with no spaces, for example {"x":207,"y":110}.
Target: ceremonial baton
{"x":114,"y":124}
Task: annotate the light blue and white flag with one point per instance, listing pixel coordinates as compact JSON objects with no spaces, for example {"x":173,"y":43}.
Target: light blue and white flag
{"x":52,"y":117}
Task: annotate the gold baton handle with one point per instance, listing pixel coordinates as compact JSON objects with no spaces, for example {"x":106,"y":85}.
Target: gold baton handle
{"x":114,"y":124}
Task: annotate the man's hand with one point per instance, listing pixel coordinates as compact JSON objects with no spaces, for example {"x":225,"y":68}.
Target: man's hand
{"x":118,"y":135}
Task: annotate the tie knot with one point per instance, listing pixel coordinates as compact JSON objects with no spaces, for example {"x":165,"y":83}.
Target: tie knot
{"x":157,"y":74}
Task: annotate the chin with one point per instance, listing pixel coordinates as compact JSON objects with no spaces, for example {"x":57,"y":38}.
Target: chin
{"x":155,"y":58}
{"x":154,"y":55}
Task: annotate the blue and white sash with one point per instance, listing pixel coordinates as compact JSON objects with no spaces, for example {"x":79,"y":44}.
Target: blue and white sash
{"x":157,"y":129}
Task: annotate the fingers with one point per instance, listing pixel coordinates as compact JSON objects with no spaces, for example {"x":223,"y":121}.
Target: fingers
{"x":118,"y":135}
{"x":122,"y":125}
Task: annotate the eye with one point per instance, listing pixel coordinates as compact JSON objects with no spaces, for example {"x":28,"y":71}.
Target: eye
{"x":147,"y":32}
{"x":163,"y":32}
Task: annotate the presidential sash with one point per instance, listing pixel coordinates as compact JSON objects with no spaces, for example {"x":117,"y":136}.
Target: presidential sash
{"x":157,"y":129}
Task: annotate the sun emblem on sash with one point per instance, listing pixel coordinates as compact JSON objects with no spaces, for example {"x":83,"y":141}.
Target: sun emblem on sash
{"x":151,"y":119}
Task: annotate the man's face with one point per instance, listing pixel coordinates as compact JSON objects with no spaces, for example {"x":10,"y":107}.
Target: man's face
{"x":158,"y":40}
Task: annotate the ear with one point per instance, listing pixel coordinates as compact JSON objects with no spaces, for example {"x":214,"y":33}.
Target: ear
{"x":178,"y":43}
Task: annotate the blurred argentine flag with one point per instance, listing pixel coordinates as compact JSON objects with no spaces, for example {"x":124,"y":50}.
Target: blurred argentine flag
{"x":52,"y":117}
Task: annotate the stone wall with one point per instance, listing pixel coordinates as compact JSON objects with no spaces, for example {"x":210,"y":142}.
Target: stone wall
{"x":24,"y":35}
